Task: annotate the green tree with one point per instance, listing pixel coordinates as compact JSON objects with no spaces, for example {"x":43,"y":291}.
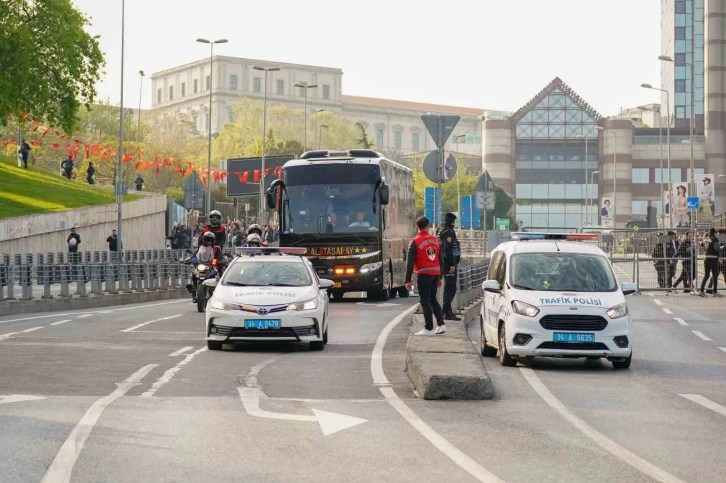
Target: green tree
{"x":363,"y":141}
{"x":50,"y":62}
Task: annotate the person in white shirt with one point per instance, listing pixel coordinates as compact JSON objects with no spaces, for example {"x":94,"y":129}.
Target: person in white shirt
{"x":361,"y":216}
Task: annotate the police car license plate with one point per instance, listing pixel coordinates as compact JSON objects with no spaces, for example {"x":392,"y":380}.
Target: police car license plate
{"x":262,"y":323}
{"x":338,"y":285}
{"x":573,"y":337}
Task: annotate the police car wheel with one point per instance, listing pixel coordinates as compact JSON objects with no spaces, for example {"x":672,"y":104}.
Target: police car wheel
{"x":317,"y":345}
{"x":624,"y":363}
{"x":504,"y":358}
{"x":214,"y":345}
{"x":325,"y":336}
{"x":486,"y":351}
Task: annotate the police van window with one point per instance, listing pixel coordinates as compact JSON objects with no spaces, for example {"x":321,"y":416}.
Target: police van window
{"x":494,"y":265}
{"x":501,"y":272}
{"x":555,"y":272}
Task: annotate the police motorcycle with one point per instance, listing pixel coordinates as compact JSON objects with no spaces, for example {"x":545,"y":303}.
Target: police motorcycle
{"x":205,"y":266}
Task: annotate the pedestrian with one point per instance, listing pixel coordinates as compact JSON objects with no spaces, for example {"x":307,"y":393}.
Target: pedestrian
{"x":68,"y":167}
{"x":139,"y":182}
{"x":74,"y":239}
{"x":685,"y":253}
{"x":671,"y":250}
{"x":659,"y":261}
{"x":24,"y":152}
{"x":451,"y":254}
{"x":91,"y":172}
{"x":112,"y":242}
{"x":424,"y":256}
{"x":710,"y":264}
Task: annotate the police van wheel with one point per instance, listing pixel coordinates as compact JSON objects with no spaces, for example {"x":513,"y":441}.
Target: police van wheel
{"x":486,"y":351}
{"x":624,"y":363}
{"x":504,"y":358}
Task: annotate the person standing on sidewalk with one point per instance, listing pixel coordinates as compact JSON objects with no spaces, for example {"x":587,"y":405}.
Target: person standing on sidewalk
{"x":424,"y":256}
{"x":710,"y":264}
{"x":451,"y":254}
{"x":685,"y":252}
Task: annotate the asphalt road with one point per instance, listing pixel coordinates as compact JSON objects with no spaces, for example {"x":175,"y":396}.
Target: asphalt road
{"x":130,"y":394}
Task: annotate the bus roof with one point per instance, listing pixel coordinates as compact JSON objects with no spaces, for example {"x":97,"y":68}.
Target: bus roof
{"x":351,"y":156}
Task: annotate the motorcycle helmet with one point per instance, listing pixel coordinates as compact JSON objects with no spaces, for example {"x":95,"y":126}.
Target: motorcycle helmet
{"x":254,"y":240}
{"x":209,"y":237}
{"x":255,"y":228}
{"x":215,"y":218}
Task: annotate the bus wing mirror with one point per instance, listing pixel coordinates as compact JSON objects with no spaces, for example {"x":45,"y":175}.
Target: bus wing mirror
{"x":271,"y":200}
{"x":384,"y":194}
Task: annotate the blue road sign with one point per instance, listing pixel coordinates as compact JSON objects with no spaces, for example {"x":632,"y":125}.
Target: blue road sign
{"x":469,"y":217}
{"x":431,"y":201}
{"x":692,"y":203}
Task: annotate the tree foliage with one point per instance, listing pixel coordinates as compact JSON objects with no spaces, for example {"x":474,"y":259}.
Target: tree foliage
{"x":50,"y":63}
{"x":363,"y":141}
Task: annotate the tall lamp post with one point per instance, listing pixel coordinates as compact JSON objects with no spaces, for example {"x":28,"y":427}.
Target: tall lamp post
{"x":138,"y":116}
{"x":261,"y":207}
{"x":315,"y":132}
{"x":615,"y":172}
{"x":304,"y":86}
{"x":120,"y":168}
{"x":320,"y":139}
{"x":209,"y":131}
{"x":668,"y":142}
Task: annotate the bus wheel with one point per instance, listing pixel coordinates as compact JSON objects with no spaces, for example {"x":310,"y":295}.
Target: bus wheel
{"x":379,"y":295}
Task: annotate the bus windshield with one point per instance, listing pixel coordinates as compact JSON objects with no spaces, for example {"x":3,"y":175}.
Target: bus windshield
{"x":331,"y":198}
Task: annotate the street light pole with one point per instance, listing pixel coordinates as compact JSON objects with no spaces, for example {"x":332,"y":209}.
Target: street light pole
{"x":315,"y":132}
{"x":304,"y":86}
{"x":209,"y":131}
{"x":261,"y":202}
{"x":668,"y":142}
{"x":320,"y":139}
{"x":119,"y":178}
{"x":138,"y":116}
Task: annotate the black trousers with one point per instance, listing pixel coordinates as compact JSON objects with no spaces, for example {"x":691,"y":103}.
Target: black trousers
{"x":427,"y":286}
{"x":686,"y":275}
{"x":449,"y":288}
{"x":710,"y":266}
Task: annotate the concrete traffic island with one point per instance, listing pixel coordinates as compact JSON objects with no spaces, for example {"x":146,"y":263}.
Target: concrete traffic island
{"x":15,"y":307}
{"x":447,"y":366}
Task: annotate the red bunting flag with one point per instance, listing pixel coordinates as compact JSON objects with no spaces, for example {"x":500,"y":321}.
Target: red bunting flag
{"x":127,"y":157}
{"x":138,"y":163}
{"x":256,"y":176}
{"x":35,"y":143}
{"x":88,"y":150}
{"x":69,"y":151}
{"x":55,"y":146}
{"x":47,"y":130}
{"x":267,"y":171}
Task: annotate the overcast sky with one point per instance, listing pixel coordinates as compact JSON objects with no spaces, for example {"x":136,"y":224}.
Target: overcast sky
{"x":489,"y":54}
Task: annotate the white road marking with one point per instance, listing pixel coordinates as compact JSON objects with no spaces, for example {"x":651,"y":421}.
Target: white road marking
{"x":32,"y":329}
{"x":723,"y":348}
{"x":657,"y":302}
{"x":10,"y":334}
{"x":680,"y":321}
{"x":62,"y":466}
{"x":438,"y":441}
{"x":166,"y":332}
{"x":650,"y":294}
{"x":33,"y":318}
{"x":251,"y":377}
{"x":99,"y":312}
{"x":60,"y":322}
{"x":131,"y":329}
{"x":180,"y":351}
{"x":701,"y":335}
{"x":705,"y":402}
{"x":149,"y":305}
{"x":330,"y":423}
{"x":171,"y":373}
{"x":84,"y":316}
{"x":19,"y":398}
{"x":668,"y":311}
{"x":644,"y":466}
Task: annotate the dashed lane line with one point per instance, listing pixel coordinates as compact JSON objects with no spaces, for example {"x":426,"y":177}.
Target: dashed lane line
{"x":668,"y":311}
{"x":11,"y":334}
{"x":138,"y":326}
{"x":657,"y":302}
{"x":723,"y":348}
{"x":180,"y":351}
{"x":168,"y":375}
{"x":705,"y":402}
{"x":84,"y":316}
{"x":701,"y":335}
{"x":680,"y":321}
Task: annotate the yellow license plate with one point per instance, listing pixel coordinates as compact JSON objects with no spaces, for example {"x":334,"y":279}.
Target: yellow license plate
{"x":338,"y":285}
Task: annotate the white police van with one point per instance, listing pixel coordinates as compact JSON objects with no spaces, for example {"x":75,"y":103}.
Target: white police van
{"x":554,"y":295}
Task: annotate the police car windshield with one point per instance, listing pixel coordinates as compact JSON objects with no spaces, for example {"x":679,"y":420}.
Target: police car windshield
{"x":267,"y":273}
{"x":562,"y":272}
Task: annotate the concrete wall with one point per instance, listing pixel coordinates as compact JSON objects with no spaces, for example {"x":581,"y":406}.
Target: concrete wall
{"x":617,"y":138}
{"x":143,"y":228}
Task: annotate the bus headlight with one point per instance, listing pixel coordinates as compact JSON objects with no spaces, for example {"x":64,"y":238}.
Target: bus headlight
{"x":308,"y":305}
{"x":371,"y":267}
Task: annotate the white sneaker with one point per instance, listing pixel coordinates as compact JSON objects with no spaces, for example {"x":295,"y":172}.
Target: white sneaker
{"x":441,"y":329}
{"x":425,"y":332}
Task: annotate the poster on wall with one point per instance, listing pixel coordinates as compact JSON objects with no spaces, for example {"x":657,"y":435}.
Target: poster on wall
{"x":679,"y":204}
{"x":705,"y":192}
{"x":606,"y":212}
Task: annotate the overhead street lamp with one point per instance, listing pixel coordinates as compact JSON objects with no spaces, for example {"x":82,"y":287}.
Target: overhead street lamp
{"x":315,"y":132}
{"x":209,"y":131}
{"x":304,"y":86}
{"x":668,"y":142}
{"x":138,"y":117}
{"x":660,"y":146}
{"x":261,"y":206}
{"x":320,"y":138}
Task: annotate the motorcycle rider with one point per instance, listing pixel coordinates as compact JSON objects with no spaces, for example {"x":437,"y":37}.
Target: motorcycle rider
{"x":215,"y":227}
{"x":206,"y":252}
{"x":257,"y":230}
{"x":254,"y":240}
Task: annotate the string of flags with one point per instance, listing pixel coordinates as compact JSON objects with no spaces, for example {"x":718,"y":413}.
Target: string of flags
{"x":77,"y":147}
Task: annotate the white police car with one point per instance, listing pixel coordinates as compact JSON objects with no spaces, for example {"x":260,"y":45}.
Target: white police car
{"x":268,"y":294}
{"x":554,"y":295}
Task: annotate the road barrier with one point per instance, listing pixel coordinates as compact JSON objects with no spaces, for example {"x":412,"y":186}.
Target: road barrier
{"x":471,"y":275}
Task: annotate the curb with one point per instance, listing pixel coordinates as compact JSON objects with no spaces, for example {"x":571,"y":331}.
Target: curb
{"x":15,"y":307}
{"x":447,"y":366}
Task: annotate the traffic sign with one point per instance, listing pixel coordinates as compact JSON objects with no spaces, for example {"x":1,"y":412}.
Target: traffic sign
{"x":431,"y":201}
{"x":430,"y":167}
{"x":692,"y":203}
{"x":469,"y":215}
{"x":485,"y":183}
{"x":485,"y":200}
{"x":193,"y":192}
{"x":440,"y":127}
{"x":501,"y":224}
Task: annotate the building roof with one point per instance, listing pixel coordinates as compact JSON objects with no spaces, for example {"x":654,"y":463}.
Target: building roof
{"x":557,"y":82}
{"x":414,"y":106}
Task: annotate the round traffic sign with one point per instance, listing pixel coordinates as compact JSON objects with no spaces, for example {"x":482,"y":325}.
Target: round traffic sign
{"x":430,"y":167}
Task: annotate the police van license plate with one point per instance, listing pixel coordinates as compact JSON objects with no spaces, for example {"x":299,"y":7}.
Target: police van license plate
{"x":262,"y":323}
{"x":573,"y":337}
{"x":338,"y":285}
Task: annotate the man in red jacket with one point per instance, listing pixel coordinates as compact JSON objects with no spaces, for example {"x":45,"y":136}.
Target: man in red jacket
{"x":424,"y":256}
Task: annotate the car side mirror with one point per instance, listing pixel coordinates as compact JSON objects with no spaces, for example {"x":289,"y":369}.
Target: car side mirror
{"x":491,"y":286}
{"x":212,"y":282}
{"x":629,"y":288}
{"x":326,"y":284}
{"x":384,"y":194}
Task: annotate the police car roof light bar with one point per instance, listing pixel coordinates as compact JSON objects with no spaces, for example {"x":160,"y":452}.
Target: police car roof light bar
{"x":280,"y":250}
{"x":524,"y":236}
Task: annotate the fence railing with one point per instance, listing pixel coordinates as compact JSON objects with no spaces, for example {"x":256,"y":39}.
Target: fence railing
{"x":471,"y":276}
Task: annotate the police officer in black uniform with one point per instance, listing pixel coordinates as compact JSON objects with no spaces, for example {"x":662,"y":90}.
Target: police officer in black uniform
{"x":451,"y":254}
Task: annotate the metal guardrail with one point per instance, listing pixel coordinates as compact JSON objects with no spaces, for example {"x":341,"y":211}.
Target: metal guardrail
{"x":471,"y":276}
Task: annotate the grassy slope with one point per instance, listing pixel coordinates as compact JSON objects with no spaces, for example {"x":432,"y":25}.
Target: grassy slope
{"x":24,"y":192}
